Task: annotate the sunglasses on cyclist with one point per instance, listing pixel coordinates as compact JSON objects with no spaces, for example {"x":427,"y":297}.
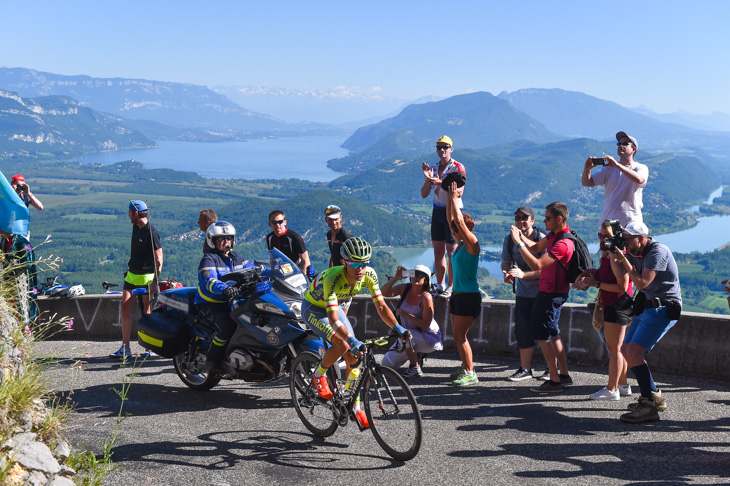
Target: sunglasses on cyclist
{"x":357,"y":264}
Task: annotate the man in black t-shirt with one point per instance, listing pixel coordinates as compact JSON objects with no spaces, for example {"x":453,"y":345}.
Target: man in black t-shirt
{"x":144,"y":268}
{"x":287,"y":241}
{"x":336,"y":235}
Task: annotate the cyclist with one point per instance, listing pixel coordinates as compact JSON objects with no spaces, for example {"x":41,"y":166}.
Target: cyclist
{"x":323,"y":314}
{"x":214,"y":293}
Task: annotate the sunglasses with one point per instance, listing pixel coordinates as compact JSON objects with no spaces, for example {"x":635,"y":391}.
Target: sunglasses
{"x":278,"y":221}
{"x":548,"y":218}
{"x":225,"y":238}
{"x":623,"y":144}
{"x":443,"y":147}
{"x":357,"y":264}
{"x":522,"y":218}
{"x":332,"y":211}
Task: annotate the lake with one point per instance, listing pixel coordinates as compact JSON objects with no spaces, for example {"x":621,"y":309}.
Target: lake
{"x":277,"y":158}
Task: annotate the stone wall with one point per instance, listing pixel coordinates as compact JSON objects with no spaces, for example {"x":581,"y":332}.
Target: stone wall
{"x":696,"y":346}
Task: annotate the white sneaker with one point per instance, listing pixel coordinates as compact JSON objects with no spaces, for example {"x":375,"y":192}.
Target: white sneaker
{"x":625,"y":390}
{"x":605,"y":394}
{"x":446,"y":294}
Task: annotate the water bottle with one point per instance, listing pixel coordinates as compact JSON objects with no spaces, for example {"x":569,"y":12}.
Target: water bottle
{"x":352,"y":378}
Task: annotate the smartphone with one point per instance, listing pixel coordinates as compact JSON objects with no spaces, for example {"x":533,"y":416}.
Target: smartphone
{"x":409,"y":273}
{"x":599,"y":161}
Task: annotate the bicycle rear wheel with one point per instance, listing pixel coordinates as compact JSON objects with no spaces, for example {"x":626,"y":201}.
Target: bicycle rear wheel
{"x":393,"y":413}
{"x":316,"y":414}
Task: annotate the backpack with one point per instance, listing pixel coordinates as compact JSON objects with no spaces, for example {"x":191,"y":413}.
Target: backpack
{"x":580,"y":260}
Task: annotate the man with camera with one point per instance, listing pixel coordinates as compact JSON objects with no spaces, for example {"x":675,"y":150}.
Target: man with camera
{"x":21,"y":187}
{"x":656,"y":309}
{"x":624,"y":181}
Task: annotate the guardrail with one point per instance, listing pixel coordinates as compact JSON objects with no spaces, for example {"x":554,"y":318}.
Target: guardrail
{"x":696,"y":346}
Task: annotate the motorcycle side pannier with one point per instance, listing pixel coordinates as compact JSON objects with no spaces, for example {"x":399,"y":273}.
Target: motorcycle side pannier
{"x":163,"y":335}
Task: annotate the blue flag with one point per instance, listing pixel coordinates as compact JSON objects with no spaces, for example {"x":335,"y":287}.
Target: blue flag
{"x":14,"y":214}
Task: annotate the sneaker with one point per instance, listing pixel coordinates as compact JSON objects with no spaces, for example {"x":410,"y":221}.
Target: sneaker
{"x":412,"y":372}
{"x":645,"y":411}
{"x":446,"y":294}
{"x":323,"y":388}
{"x":625,"y":390}
{"x":548,"y":387}
{"x":659,"y":402}
{"x":605,"y":394}
{"x":146,"y":353}
{"x":543,"y":377}
{"x":361,"y":418}
{"x":566,"y":380}
{"x":122,"y":353}
{"x":466,"y":379}
{"x":520,"y":374}
{"x":457,"y":374}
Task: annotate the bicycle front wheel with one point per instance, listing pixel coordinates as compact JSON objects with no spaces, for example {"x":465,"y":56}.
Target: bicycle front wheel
{"x":316,"y":414}
{"x":393,"y":413}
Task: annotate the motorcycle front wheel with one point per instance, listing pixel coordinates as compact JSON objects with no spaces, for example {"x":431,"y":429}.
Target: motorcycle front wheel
{"x":315,"y":413}
{"x":197,"y":379}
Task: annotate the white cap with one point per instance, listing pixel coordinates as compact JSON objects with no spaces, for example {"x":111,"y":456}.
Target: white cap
{"x":636,"y":228}
{"x":423,"y":269}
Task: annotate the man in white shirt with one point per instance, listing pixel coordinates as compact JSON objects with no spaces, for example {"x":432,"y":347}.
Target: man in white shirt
{"x":624,"y":181}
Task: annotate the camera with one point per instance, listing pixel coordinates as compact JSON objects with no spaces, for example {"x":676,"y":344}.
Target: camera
{"x":599,"y":161}
{"x":409,"y":273}
{"x":616,"y":241}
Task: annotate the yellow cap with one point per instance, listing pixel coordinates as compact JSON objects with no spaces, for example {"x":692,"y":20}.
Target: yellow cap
{"x":445,"y":139}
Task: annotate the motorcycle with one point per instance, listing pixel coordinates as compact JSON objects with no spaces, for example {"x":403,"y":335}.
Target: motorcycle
{"x":268,"y":337}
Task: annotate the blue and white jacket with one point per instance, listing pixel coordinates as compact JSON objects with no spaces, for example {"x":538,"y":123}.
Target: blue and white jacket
{"x":213,"y":267}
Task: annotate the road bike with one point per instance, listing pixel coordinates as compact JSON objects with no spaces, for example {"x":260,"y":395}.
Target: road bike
{"x":389,"y":404}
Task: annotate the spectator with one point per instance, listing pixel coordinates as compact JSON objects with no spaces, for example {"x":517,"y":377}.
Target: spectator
{"x":206,"y":218}
{"x":415,"y":313}
{"x":441,"y":238}
{"x":18,"y":260}
{"x":726,"y":288}
{"x":526,"y":283}
{"x":465,"y":302}
{"x":335,"y":237}
{"x":144,"y":268}
{"x":611,"y":280}
{"x":287,"y":241}
{"x":624,"y":181}
{"x":554,"y":289}
{"x":657,"y":308}
{"x":21,"y":187}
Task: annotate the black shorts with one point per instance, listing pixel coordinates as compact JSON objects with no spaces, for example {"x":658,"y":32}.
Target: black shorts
{"x":440,"y":230}
{"x":610,"y":314}
{"x":465,"y":304}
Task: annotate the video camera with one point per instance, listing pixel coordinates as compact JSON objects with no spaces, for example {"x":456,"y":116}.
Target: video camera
{"x":616,"y":241}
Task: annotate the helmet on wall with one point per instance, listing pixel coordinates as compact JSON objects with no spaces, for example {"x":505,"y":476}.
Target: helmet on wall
{"x":356,"y":249}
{"x":76,"y":290}
{"x":215,"y":230}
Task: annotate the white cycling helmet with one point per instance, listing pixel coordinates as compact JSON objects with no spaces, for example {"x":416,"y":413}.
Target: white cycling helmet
{"x":76,"y":290}
{"x":221,"y":228}
{"x":356,"y":249}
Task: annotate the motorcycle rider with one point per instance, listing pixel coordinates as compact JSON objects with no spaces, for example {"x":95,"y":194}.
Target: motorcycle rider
{"x":322,"y":313}
{"x":214,"y":293}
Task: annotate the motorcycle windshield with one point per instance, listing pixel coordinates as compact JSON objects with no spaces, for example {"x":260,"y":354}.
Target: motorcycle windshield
{"x":285,"y":275}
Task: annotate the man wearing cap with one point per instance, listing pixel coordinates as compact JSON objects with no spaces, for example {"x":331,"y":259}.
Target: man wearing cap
{"x":657,"y":308}
{"x":526,"y":283}
{"x":335,"y":237}
{"x":287,"y":241}
{"x":144,"y":268}
{"x":441,"y":238}
{"x":624,"y":180}
{"x":21,"y":187}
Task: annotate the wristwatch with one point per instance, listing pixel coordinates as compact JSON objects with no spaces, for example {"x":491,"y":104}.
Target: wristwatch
{"x":520,"y":245}
{"x":598,"y":284}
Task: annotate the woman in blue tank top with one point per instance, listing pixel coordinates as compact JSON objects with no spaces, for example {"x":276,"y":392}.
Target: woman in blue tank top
{"x":465,"y":303}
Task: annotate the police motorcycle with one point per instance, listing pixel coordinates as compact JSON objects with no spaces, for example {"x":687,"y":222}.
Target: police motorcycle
{"x":268,"y":337}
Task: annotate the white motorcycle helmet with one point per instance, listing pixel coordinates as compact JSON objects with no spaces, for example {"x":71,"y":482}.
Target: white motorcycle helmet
{"x":221,"y":228}
{"x":76,"y":291}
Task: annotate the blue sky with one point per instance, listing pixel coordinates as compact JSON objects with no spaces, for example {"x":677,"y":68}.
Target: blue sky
{"x":665,"y":55}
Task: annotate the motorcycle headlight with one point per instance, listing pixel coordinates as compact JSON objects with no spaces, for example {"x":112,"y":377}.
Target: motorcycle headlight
{"x":296,"y":307}
{"x":270,"y":308}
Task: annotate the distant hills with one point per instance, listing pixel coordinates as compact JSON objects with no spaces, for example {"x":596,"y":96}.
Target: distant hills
{"x":176,"y":104}
{"x":58,"y":126}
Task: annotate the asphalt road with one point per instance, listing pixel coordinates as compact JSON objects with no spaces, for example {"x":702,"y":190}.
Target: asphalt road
{"x":496,"y":432}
